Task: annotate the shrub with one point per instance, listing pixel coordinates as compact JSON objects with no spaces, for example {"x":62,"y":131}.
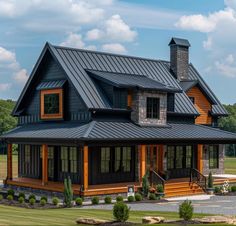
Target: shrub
{"x":11,"y":192}
{"x":95,"y":200}
{"x":68,"y":192}
{"x":55,"y":201}
{"x":43,"y":202}
{"x":152,"y":196}
{"x":32,"y":201}
{"x":217,"y":190}
{"x":210,"y":180}
{"x":32,"y":196}
{"x":9,"y":197}
{"x":131,"y":198}
{"x":186,"y":210}
{"x":21,"y":194}
{"x":78,"y":201}
{"x":108,"y":199}
{"x":121,"y":212}
{"x":21,"y":200}
{"x":145,"y":184}
{"x":119,"y":199}
{"x":44,"y":198}
{"x":160,"y":188}
{"x":233,"y":188}
{"x":138,"y":197}
{"x":1,"y":197}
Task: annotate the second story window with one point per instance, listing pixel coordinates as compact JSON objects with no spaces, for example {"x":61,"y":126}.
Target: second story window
{"x":51,"y":104}
{"x":153,"y":108}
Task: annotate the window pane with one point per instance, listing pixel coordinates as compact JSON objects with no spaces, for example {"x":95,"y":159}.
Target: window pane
{"x":170,"y":157}
{"x":117,"y":159}
{"x":126,"y":161}
{"x":64,"y":159}
{"x":213,"y":156}
{"x":105,"y":160}
{"x":179,"y":157}
{"x":51,"y":103}
{"x":73,"y":159}
{"x":153,"y":107}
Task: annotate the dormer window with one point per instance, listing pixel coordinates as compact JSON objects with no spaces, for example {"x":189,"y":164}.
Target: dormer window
{"x":153,"y":108}
{"x":51,"y":104}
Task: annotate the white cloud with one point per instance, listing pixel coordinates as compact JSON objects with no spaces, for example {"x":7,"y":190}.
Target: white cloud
{"x":208,"y":43}
{"x":21,"y":76}
{"x":114,"y":47}
{"x":6,"y":55}
{"x":94,"y":34}
{"x":73,"y":40}
{"x":4,"y":86}
{"x":227,"y":66}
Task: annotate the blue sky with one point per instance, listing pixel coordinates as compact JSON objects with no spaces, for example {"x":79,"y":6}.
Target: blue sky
{"x":133,"y":27}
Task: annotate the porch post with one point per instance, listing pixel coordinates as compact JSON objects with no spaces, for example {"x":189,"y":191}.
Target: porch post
{"x":142,"y":161}
{"x":9,"y":162}
{"x":200,"y":157}
{"x":85,"y":167}
{"x":44,"y":164}
{"x":160,"y":157}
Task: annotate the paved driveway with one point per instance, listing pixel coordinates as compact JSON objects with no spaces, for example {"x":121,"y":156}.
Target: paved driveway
{"x":203,"y":204}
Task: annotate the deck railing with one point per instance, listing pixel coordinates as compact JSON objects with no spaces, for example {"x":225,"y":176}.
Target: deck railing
{"x":198,"y":178}
{"x":156,"y":179}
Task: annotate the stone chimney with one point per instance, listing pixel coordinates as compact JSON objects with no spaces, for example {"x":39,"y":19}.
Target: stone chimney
{"x":179,"y":58}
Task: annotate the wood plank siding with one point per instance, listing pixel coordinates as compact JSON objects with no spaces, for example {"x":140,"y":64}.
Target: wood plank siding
{"x":202,"y":104}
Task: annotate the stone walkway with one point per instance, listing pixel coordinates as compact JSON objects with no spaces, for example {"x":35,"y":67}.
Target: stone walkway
{"x":208,"y":204}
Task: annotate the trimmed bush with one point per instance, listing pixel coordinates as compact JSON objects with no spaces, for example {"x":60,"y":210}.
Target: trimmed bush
{"x":1,"y":197}
{"x":210,"y":180}
{"x":68,"y":192}
{"x":216,"y":190}
{"x":32,"y":196}
{"x":131,"y":198}
{"x":11,"y":192}
{"x":55,"y":201}
{"x":21,"y":194}
{"x":152,"y":196}
{"x":108,"y":200}
{"x":119,"y":199}
{"x":43,"y":202}
{"x":186,"y":210}
{"x":44,"y":198}
{"x":160,"y":188}
{"x":21,"y":200}
{"x":233,"y":188}
{"x":95,"y":200}
{"x":78,"y":201}
{"x":138,"y":197}
{"x":10,"y":197}
{"x":145,"y":184}
{"x":121,"y":212}
{"x":32,"y":201}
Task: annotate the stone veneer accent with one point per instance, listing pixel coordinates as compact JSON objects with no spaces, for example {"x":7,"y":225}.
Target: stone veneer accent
{"x":219,"y":170}
{"x":139,"y":106}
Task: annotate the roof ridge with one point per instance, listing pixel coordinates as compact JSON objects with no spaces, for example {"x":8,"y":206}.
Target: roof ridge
{"x":87,"y":132}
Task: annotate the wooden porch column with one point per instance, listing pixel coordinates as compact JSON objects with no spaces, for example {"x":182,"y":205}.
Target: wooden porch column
{"x":44,"y":164}
{"x":200,"y":158}
{"x":160,"y":157}
{"x":142,"y":161}
{"x":85,"y":167}
{"x":9,"y":162}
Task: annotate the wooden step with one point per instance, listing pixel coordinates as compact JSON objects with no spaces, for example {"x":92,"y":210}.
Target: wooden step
{"x":177,"y":194}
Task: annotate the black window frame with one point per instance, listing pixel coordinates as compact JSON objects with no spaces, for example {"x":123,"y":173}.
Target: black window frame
{"x":69,"y":161}
{"x":153,"y":108}
{"x":213,"y":156}
{"x":56,"y":97}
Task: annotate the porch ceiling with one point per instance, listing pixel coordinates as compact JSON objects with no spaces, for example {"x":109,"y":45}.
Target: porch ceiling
{"x":119,"y":131}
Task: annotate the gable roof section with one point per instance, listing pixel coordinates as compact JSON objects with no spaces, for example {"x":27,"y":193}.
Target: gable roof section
{"x":131,"y":81}
{"x":179,"y":42}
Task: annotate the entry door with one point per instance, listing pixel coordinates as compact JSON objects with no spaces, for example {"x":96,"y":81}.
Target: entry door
{"x":151,"y":157}
{"x":52,"y":163}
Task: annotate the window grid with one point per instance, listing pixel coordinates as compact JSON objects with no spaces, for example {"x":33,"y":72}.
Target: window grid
{"x":213,"y":157}
{"x":153,"y":108}
{"x":105,"y":160}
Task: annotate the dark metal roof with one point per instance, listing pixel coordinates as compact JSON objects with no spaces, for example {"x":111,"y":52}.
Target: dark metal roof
{"x":180,"y":42}
{"x":120,"y":131}
{"x":131,"y":81}
{"x":186,"y":85}
{"x":51,"y":84}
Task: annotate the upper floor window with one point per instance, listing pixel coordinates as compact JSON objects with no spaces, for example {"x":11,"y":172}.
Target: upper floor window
{"x":153,"y":108}
{"x":51,"y":104}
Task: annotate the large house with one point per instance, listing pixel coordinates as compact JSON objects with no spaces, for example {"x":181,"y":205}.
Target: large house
{"x":105,"y":120}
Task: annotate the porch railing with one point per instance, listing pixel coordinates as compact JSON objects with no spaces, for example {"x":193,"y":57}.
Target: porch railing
{"x":198,"y":178}
{"x":156,"y":179}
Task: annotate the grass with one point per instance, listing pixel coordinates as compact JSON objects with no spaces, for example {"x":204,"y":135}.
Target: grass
{"x":3,"y":166}
{"x":230,"y":165}
{"x":14,"y":216}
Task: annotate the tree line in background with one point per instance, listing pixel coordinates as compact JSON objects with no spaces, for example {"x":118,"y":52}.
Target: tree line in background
{"x":8,"y":122}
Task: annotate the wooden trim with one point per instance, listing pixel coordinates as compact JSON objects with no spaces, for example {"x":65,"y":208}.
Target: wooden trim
{"x":51,"y":116}
{"x":129,"y":99}
{"x":85,"y":168}
{"x":44,"y":164}
{"x":200,"y":158}
{"x":142,"y":161}
{"x":9,"y":162}
{"x":160,"y":157}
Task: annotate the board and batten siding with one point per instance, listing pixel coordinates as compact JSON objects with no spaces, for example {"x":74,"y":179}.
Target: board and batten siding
{"x":202,"y":104}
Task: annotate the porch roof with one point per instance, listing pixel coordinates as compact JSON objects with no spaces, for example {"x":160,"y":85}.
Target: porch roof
{"x":119,"y":131}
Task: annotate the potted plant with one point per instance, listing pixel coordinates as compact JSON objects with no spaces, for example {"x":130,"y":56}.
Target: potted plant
{"x":210,"y":188}
{"x":160,"y":191}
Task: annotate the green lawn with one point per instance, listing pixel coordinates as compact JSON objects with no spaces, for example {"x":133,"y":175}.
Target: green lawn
{"x":230,"y":165}
{"x":10,"y":216}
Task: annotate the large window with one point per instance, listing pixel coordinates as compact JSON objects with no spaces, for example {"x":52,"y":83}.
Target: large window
{"x":170,"y":157}
{"x":105,"y":159}
{"x":51,"y":104}
{"x":153,"y":108}
{"x":126,"y":159}
{"x":27,"y":153}
{"x":64,"y":159}
{"x":69,"y":160}
{"x":213,"y":156}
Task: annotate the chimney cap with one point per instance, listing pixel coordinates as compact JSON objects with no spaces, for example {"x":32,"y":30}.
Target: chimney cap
{"x":179,"y":42}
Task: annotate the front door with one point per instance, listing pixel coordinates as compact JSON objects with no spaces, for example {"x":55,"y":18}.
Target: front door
{"x":151,"y":157}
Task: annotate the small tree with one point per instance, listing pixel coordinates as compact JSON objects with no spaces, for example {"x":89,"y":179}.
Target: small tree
{"x":68,"y":192}
{"x":145,"y":184}
{"x":121,"y":212}
{"x":210,"y":180}
{"x":186,"y":210}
